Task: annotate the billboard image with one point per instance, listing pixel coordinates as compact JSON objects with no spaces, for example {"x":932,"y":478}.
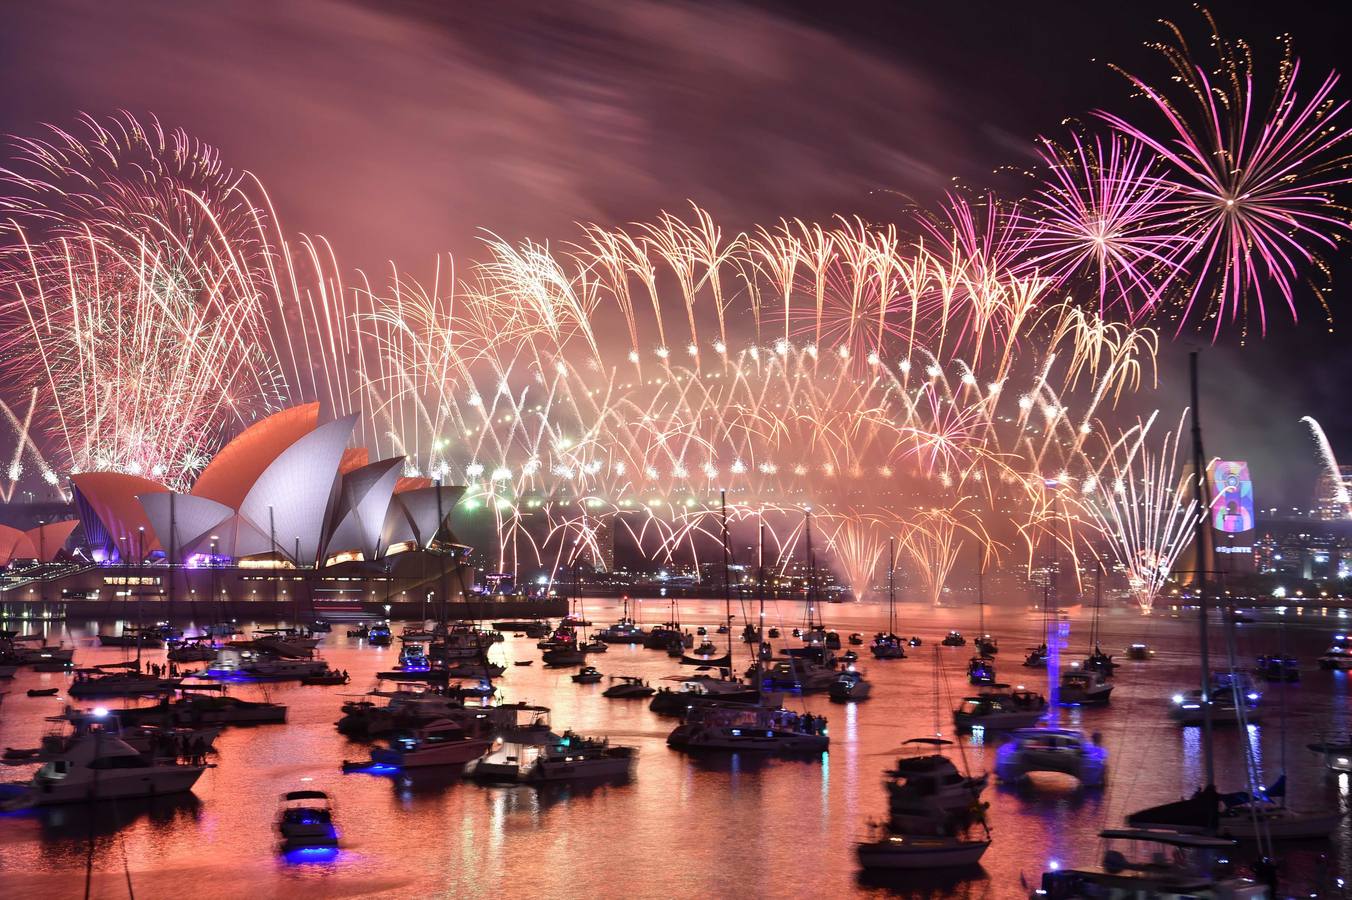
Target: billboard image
{"x":1231,"y":497}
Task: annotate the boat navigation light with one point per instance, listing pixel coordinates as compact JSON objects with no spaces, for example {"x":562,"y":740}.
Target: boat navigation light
{"x":100,"y":712}
{"x":1252,"y":695}
{"x":1053,"y":865}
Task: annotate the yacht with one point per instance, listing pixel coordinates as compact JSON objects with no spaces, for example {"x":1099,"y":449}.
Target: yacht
{"x":438,"y":743}
{"x":305,"y":819}
{"x":954,"y":639}
{"x":198,"y":649}
{"x":588,"y":675}
{"x":1178,"y":866}
{"x":379,"y":635}
{"x":1084,"y":687}
{"x":1239,"y":816}
{"x":1052,"y":750}
{"x":234,"y":663}
{"x":926,"y":788}
{"x":1036,"y":658}
{"x":413,"y":658}
{"x":95,"y":683}
{"x":1232,"y":696}
{"x":1278,"y":668}
{"x":569,"y":757}
{"x":1000,"y":711}
{"x":980,"y":670}
{"x":194,"y":710}
{"x":700,"y":689}
{"x":96,"y":764}
{"x":1139,"y":652}
{"x":563,"y":657}
{"x":629,"y":687}
{"x":749,"y":728}
{"x":987,"y":646}
{"x":149,"y":638}
{"x":887,"y":646}
{"x":625,"y":631}
{"x":1339,"y":654}
{"x":659,"y":636}
{"x":849,"y":685}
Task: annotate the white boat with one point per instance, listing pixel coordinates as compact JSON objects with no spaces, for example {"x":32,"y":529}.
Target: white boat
{"x":1339,"y":654}
{"x":887,"y":646}
{"x":305,"y":819}
{"x":1084,"y":687}
{"x":439,"y":743}
{"x":553,"y":758}
{"x":97,"y":765}
{"x":1000,"y":711}
{"x":753,"y":728}
{"x":1178,"y":866}
{"x":914,"y":851}
{"x":849,"y":685}
{"x":251,"y":665}
{"x":1052,"y":750}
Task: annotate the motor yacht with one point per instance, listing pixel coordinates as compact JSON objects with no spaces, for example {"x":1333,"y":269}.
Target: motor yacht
{"x":1239,"y":815}
{"x":195,"y":710}
{"x":1036,"y":658}
{"x":198,"y":649}
{"x":625,"y":631}
{"x":441,"y":742}
{"x":568,"y":757}
{"x":305,"y":819}
{"x":980,"y":670}
{"x":986,"y":646}
{"x":758,"y":728}
{"x":379,"y":635}
{"x":1051,"y":750}
{"x":235,"y":663}
{"x":563,"y":657}
{"x":628,"y":687}
{"x":149,"y":638}
{"x":925,"y":789}
{"x":1278,"y":668}
{"x":701,"y":689}
{"x":1232,"y":696}
{"x":849,"y":685}
{"x":413,"y":658}
{"x":97,"y":765}
{"x":659,"y":636}
{"x":1084,"y":687}
{"x":1000,"y":710}
{"x":1139,"y":652}
{"x":954,"y":639}
{"x":588,"y":675}
{"x":1339,"y":654}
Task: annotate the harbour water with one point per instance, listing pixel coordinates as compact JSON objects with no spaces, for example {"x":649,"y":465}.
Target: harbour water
{"x":682,"y":826}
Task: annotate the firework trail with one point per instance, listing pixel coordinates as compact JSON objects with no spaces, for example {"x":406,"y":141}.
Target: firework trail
{"x":1332,"y":470}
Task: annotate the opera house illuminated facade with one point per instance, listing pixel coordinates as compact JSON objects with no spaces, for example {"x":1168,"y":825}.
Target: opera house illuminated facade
{"x":286,"y":513}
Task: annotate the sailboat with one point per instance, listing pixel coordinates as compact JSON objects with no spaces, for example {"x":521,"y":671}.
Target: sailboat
{"x":887,"y":645}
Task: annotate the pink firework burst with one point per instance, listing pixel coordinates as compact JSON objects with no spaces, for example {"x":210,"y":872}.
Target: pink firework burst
{"x":1254,"y":185}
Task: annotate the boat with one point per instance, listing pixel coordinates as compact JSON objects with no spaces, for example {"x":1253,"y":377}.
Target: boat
{"x":1000,"y":710}
{"x":567,"y":757}
{"x":360,"y":631}
{"x":1036,"y":658}
{"x":43,"y":692}
{"x":1232,"y":697}
{"x":379,"y":635}
{"x":925,"y":788}
{"x":305,"y":819}
{"x":563,"y":657}
{"x":588,"y":675}
{"x":980,"y":670}
{"x":887,"y":646}
{"x":438,"y":743}
{"x":919,"y":851}
{"x":625,"y":631}
{"x":629,"y":687}
{"x":413,"y":658}
{"x":856,"y":639}
{"x":524,"y":662}
{"x":1238,"y":815}
{"x":701,"y":689}
{"x":759,"y":728}
{"x":849,"y":686}
{"x":96,"y":683}
{"x":194,"y":710}
{"x":1278,"y":668}
{"x":592,"y":646}
{"x":796,"y":674}
{"x":150,"y":638}
{"x":773,"y":632}
{"x":198,"y":649}
{"x":954,"y":639}
{"x":1060,"y":750}
{"x":1177,"y":866}
{"x":986,"y":646}
{"x":329,"y":676}
{"x":96,"y":765}
{"x":1139,"y":652}
{"x":914,"y":641}
{"x":1084,"y":687}
{"x":234,"y":663}
{"x":1338,"y":656}
{"x":659,"y":636}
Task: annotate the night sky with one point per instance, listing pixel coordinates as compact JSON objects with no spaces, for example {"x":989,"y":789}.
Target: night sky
{"x":398,"y":130}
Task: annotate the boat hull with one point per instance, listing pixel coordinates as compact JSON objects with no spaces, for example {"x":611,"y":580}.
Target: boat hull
{"x":920,"y":853}
{"x":114,"y":785}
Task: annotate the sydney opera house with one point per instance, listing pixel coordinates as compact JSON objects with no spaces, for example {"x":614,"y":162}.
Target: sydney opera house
{"x":286,"y":513}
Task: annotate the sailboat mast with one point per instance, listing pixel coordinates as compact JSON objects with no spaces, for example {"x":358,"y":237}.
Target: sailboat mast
{"x":811,"y":569}
{"x":891,"y":595}
{"x":727,"y":570}
{"x":1199,"y":541}
{"x":980,"y":595}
